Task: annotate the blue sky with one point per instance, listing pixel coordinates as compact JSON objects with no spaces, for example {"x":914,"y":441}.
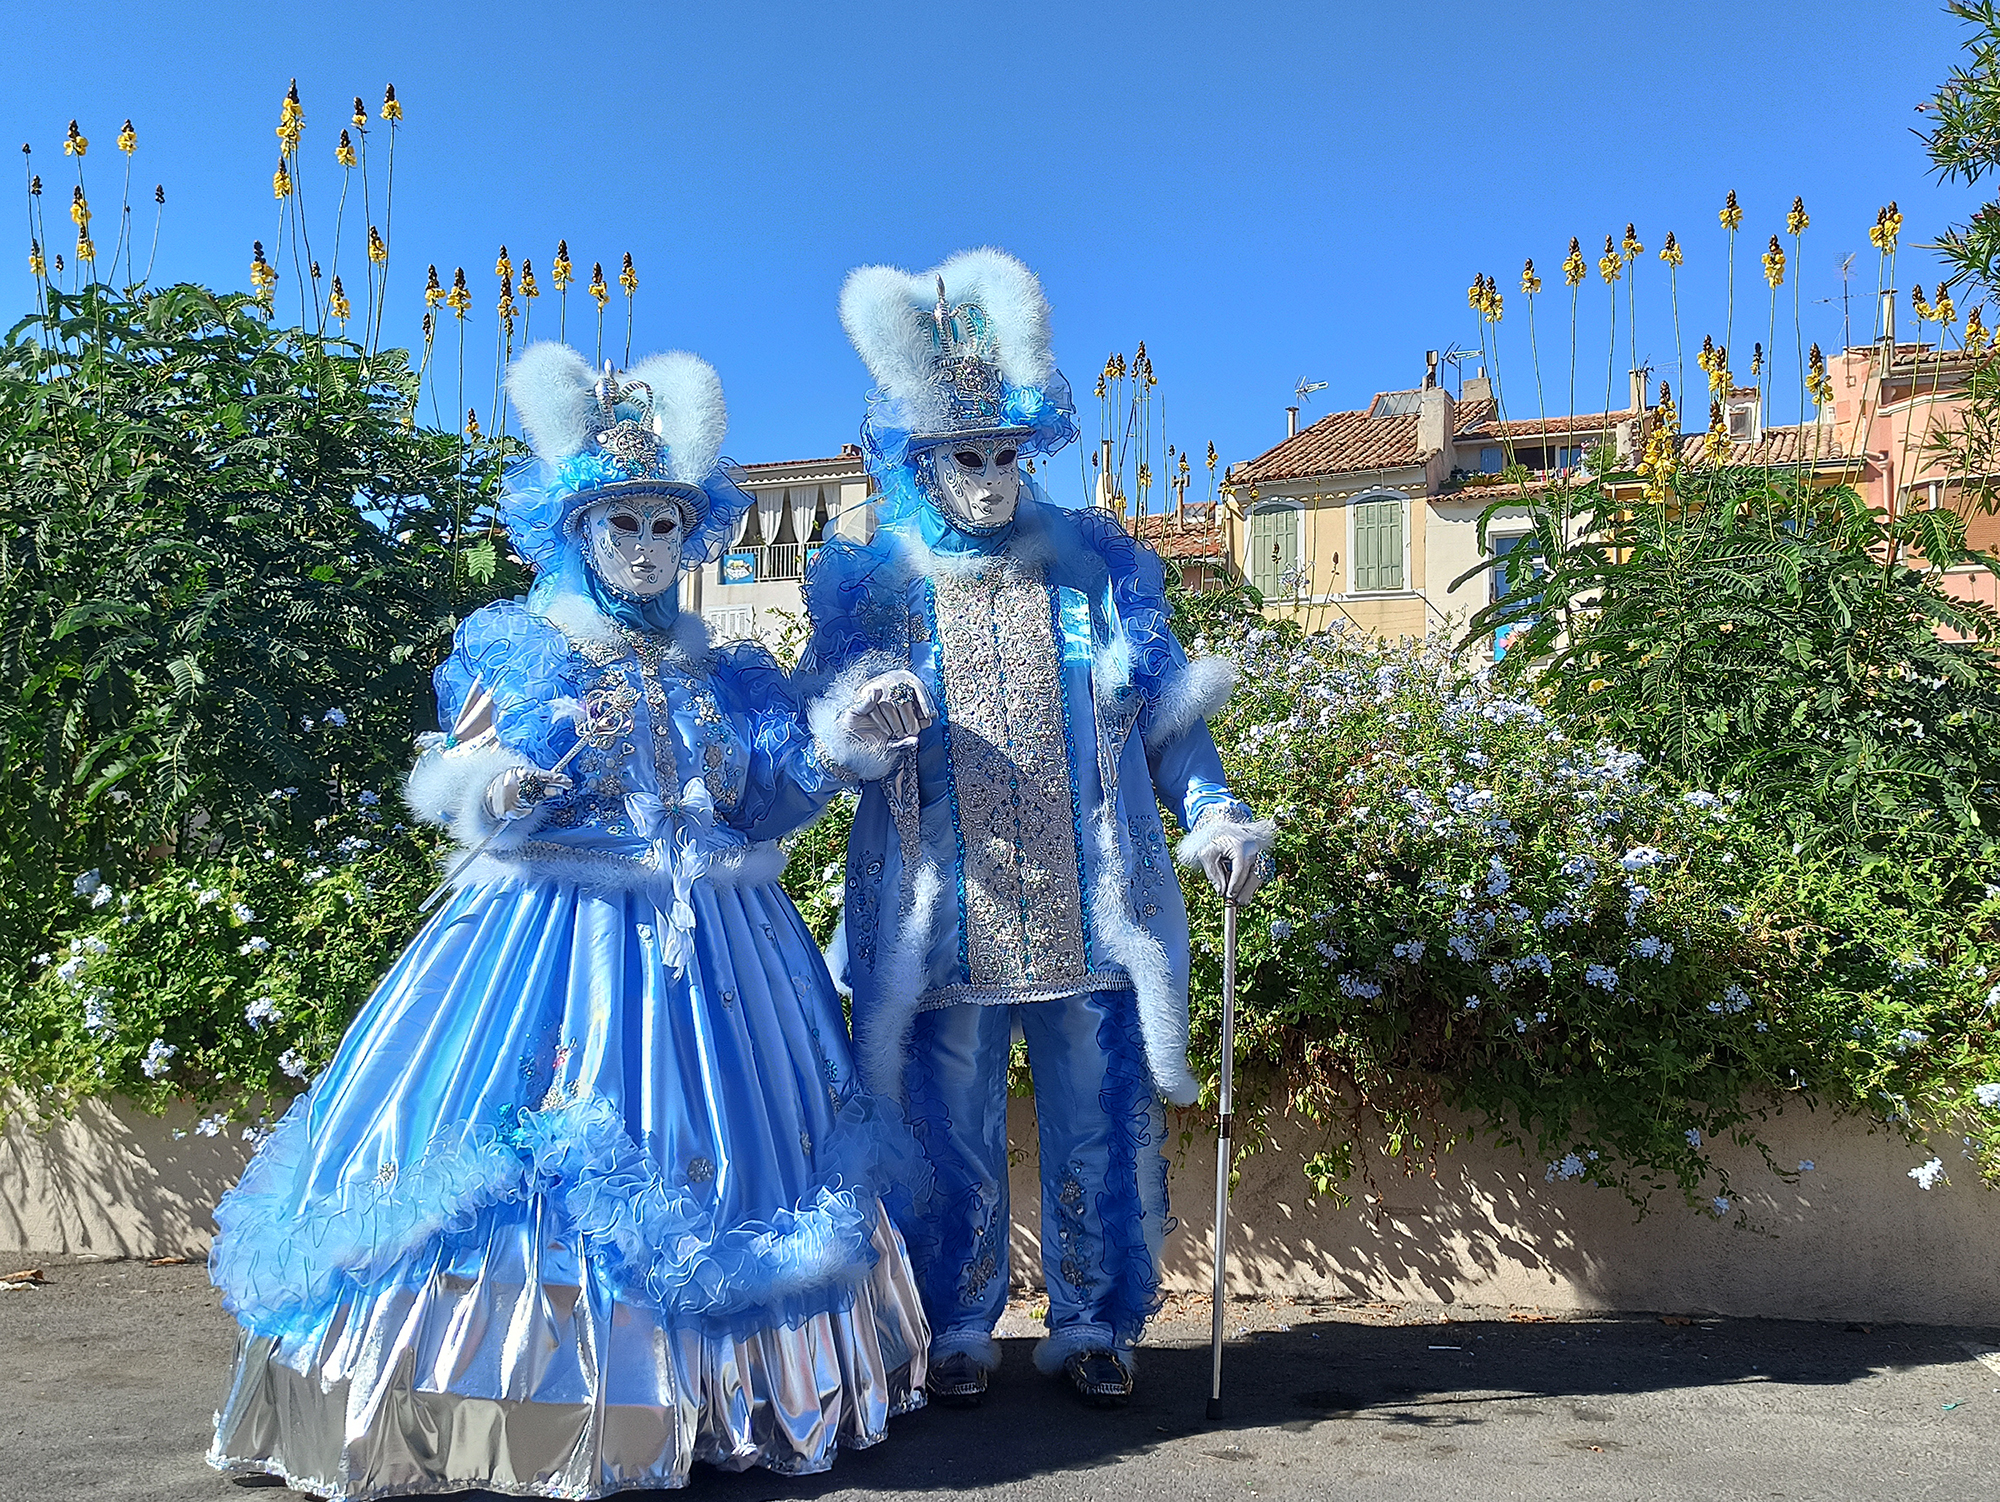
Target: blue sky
{"x":1261,"y":192}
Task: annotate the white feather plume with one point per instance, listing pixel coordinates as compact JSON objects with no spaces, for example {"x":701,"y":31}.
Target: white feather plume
{"x":554,"y":390}
{"x":687,"y":399}
{"x":550,"y":385}
{"x":887,"y":313}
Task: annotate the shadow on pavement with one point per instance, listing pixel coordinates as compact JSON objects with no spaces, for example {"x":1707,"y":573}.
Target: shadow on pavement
{"x":1429,"y":1377}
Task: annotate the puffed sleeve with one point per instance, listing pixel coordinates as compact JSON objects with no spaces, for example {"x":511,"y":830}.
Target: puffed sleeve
{"x":525,"y":663}
{"x":787,"y":782}
{"x":1180,"y":752}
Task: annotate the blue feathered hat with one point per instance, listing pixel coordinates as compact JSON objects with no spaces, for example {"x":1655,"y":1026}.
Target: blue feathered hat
{"x":959,"y":351}
{"x":653,"y":430}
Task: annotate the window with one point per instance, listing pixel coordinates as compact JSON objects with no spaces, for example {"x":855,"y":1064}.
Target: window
{"x":1491,"y":461}
{"x":1521,"y":563}
{"x":1378,"y":544}
{"x":1274,"y":550}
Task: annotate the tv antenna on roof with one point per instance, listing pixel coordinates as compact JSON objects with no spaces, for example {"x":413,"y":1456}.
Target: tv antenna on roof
{"x":1845,"y":271}
{"x":1304,"y":390}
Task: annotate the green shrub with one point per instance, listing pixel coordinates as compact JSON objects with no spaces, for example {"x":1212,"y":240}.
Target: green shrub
{"x":1481,"y":907}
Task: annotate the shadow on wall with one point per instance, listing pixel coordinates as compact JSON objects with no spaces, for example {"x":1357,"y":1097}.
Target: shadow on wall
{"x":112,"y":1180}
{"x":1853,"y":1239}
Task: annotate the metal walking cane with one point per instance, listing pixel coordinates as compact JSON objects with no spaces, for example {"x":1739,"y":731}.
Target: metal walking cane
{"x":1226,"y":1109}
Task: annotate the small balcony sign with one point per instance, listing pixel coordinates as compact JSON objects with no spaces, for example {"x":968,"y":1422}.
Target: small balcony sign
{"x":740,"y":567}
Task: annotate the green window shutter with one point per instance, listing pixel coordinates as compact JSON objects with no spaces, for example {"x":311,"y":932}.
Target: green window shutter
{"x":1274,"y":547}
{"x":1378,"y":546}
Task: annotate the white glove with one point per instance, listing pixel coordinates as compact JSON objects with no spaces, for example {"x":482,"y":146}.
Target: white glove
{"x":1234,"y":862}
{"x":514,"y":792}
{"x":890,"y":711}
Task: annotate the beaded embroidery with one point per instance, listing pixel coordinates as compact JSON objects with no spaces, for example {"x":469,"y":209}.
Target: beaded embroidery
{"x":1001,"y":667}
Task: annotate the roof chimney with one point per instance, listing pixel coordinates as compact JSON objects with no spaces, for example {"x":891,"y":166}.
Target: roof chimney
{"x":1291,"y":422}
{"x":1638,"y":398}
{"x":1430,"y":368}
{"x":1889,"y":317}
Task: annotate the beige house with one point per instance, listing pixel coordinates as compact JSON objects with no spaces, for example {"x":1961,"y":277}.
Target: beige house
{"x":1370,"y":516}
{"x":752,"y":593}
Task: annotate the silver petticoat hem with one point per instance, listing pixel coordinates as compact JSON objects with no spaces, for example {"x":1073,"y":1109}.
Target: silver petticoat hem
{"x":535,"y":1389}
{"x":966,"y":995}
{"x":601,"y":871}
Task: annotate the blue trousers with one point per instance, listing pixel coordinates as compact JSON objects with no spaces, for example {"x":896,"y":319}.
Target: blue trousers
{"x":1103,"y":1161}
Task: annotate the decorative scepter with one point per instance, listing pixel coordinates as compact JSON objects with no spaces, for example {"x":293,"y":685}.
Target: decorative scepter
{"x":1226,"y":1108}
{"x":605,"y":716}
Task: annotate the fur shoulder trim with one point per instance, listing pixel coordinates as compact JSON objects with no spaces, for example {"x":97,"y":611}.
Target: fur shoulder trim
{"x":582,"y":622}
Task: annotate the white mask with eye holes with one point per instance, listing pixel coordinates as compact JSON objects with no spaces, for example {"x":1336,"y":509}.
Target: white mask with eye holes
{"x":978,"y":480}
{"x":634,"y":545}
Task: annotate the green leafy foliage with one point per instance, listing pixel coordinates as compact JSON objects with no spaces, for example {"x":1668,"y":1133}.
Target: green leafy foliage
{"x":1483,"y":907}
{"x":215,"y":535}
{"x":1755,"y":634}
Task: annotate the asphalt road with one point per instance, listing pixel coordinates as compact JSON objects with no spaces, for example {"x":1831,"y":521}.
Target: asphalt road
{"x":109,"y":1373}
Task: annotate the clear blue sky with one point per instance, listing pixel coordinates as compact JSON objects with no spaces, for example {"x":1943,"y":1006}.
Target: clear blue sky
{"x":1262,"y":192}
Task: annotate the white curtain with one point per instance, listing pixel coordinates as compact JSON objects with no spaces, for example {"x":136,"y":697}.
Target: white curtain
{"x":805,"y":500}
{"x":770,"y":506}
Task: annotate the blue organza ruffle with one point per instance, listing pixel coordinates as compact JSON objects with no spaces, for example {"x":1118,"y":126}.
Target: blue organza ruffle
{"x":284,"y":1268}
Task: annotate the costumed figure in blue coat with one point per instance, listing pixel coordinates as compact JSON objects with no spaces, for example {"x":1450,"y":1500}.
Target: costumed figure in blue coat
{"x":999,"y":673}
{"x":590,"y":1191}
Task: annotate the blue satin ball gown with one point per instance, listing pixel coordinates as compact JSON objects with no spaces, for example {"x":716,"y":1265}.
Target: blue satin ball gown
{"x":589,"y":1191}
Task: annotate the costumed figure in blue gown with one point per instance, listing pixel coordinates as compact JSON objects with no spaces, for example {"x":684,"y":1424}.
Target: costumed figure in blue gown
{"x":590,"y":1191}
{"x":999,"y":672}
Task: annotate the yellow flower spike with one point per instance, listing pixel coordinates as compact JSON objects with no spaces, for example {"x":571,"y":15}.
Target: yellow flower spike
{"x":1941,"y":309}
{"x":312,"y":268}
{"x":1878,"y":232}
{"x":472,"y":424}
{"x":291,"y":119}
{"x":1894,"y":221}
{"x":1474,"y":294}
{"x":559,"y":273}
{"x":506,"y":307}
{"x":35,"y":186}
{"x":628,"y":278}
{"x":360,"y":115}
{"x":1530,"y":283}
{"x":1671,"y":251}
{"x":79,"y":208}
{"x":86,"y":248}
{"x":1774,"y":264}
{"x":377,"y":251}
{"x":76,"y":143}
{"x":1919,"y":304}
{"x":128,"y":139}
{"x":262,"y":276}
{"x":1630,"y":245}
{"x":528,"y":287}
{"x":1757,"y":359}
{"x":1100,"y":387}
{"x":344,"y":152}
{"x":1610,"y":264}
{"x":159,"y":193}
{"x":1731,"y":215}
{"x":459,"y":299}
{"x":598,"y":289}
{"x":336,"y":302}
{"x":1494,"y":309}
{"x":1706,"y":358}
{"x":503,"y":265}
{"x":1975,"y":331}
{"x":391,"y":110}
{"x":1796,"y":221}
{"x":433,"y":293}
{"x":37,"y":266}
{"x":1716,"y":442}
{"x":1573,"y":266}
{"x":281,"y":181}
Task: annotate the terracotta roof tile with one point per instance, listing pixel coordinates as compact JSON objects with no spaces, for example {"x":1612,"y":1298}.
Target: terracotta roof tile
{"x":1348,"y":443}
{"x":1786,"y":445}
{"x":1556,"y":425}
{"x":1195,"y":537}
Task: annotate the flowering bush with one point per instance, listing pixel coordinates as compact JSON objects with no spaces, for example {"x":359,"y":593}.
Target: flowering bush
{"x":228,"y":980}
{"x":1479,"y":908}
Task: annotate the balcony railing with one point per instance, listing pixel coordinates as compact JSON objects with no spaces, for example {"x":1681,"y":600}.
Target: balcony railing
{"x":765,"y":563}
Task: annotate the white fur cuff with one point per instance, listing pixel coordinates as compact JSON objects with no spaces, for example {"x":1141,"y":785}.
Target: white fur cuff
{"x":1212,"y":826}
{"x":449,"y":788}
{"x":827,"y":715}
{"x":1197,"y":692}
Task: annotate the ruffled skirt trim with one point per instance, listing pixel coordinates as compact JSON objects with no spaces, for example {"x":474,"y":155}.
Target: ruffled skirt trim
{"x":530,"y":1388}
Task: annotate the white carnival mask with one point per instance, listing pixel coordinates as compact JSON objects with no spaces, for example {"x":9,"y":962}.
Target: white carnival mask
{"x":634,"y":545}
{"x":977,"y":479}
